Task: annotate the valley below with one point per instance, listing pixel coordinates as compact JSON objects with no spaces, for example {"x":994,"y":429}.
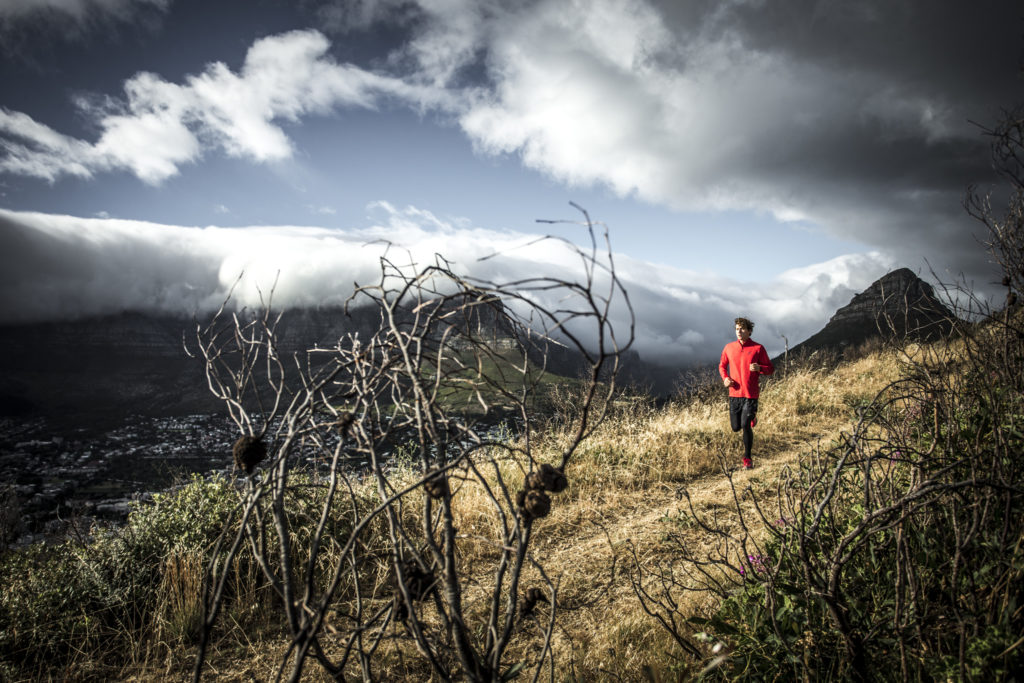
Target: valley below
{"x":58,"y":478}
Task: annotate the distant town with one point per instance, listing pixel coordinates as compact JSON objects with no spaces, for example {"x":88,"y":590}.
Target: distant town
{"x":52,"y":480}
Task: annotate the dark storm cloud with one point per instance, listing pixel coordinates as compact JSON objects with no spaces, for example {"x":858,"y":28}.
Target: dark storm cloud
{"x":964,"y":51}
{"x":26,"y":23}
{"x":855,"y":118}
{"x":922,"y":76}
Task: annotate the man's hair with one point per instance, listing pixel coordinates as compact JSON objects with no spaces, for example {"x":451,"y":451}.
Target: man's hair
{"x":745,"y":324}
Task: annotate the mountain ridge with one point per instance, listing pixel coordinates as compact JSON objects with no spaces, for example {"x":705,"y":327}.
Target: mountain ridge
{"x":898,"y":305}
{"x":97,"y":370}
{"x":102,"y":368}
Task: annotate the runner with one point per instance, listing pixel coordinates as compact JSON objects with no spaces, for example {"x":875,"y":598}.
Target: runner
{"x":743,"y":362}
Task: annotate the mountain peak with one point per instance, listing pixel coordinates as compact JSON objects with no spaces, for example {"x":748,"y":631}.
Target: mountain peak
{"x":897,"y":305}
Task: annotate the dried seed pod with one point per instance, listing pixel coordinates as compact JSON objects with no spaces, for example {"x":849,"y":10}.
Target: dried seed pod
{"x":536,"y":504}
{"x":417,"y":581}
{"x":547,"y":478}
{"x":553,"y":478}
{"x":1006,"y":281}
{"x":530,"y":600}
{"x":437,"y":486}
{"x":344,"y":423}
{"x":534,"y":481}
{"x":248,"y":451}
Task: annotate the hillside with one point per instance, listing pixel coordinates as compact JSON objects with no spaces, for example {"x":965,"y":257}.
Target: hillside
{"x":660,"y":555}
{"x":653,"y":494}
{"x":623,"y":498}
{"x":375,"y":527}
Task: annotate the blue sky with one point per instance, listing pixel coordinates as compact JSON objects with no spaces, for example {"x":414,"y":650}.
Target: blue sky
{"x":748,"y":158}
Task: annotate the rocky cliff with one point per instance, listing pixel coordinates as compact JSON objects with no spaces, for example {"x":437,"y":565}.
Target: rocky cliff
{"x":899,"y":305}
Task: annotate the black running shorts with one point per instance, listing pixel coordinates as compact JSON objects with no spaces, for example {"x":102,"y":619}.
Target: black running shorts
{"x":742,"y":412}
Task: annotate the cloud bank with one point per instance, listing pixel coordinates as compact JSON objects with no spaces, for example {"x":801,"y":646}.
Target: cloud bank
{"x":54,"y":267}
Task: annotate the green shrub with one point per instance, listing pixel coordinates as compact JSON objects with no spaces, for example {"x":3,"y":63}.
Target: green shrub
{"x":87,"y":601}
{"x":48,"y":610}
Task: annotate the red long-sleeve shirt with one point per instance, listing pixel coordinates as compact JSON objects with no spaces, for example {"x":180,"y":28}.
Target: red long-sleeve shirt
{"x":735,"y":365}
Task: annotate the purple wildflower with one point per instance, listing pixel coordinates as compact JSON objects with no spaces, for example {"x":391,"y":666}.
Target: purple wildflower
{"x":758,"y":562}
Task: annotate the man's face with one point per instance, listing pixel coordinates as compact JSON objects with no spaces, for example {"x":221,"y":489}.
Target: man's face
{"x":742,"y":333}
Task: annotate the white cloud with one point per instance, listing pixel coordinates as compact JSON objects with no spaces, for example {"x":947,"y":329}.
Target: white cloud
{"x":161,"y":126}
{"x":685,"y":314}
{"x":61,"y":266}
{"x":610,"y":92}
{"x":50,"y":155}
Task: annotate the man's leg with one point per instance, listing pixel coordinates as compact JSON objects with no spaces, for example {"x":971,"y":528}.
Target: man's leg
{"x":748,"y":420}
{"x":736,"y":413}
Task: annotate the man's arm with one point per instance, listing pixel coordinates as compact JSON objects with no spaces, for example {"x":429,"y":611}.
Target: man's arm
{"x":723,"y":368}
{"x":764,"y":362}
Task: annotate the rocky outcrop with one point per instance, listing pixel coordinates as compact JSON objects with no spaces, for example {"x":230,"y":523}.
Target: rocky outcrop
{"x":899,"y":305}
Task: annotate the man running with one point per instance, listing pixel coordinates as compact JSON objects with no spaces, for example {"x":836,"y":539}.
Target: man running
{"x":743,"y":362}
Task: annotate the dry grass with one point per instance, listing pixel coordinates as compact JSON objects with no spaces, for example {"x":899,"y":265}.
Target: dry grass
{"x":625,"y":483}
{"x":623,"y":494}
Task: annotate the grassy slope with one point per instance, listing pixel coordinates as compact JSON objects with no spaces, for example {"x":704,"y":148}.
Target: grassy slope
{"x":624,"y":483}
{"x":628,"y":482}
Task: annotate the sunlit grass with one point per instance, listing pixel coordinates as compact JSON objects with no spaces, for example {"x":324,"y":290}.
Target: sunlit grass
{"x":623,"y":497}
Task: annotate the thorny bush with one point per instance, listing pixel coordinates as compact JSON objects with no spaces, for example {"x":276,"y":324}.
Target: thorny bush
{"x":364,"y":580}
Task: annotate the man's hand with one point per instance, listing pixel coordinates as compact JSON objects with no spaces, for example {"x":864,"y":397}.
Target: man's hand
{"x":727,"y":381}
{"x":754,"y":367}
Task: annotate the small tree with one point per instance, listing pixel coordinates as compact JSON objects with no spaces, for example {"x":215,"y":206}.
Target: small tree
{"x":361,"y":551}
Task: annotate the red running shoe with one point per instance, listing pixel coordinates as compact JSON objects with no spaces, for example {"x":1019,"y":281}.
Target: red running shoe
{"x":748,"y":464}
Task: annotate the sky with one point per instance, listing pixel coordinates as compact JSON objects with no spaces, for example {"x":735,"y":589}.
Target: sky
{"x":754,"y":158}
